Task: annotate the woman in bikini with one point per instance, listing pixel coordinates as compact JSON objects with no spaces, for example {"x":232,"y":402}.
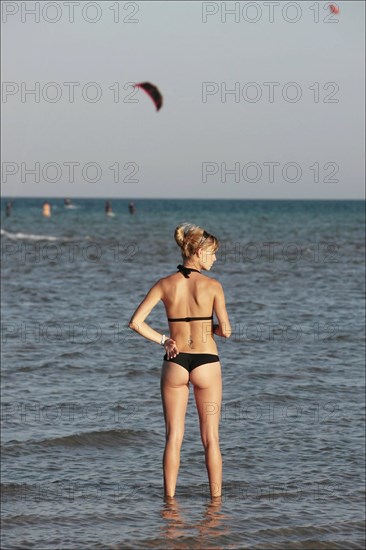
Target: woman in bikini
{"x":190,"y":299}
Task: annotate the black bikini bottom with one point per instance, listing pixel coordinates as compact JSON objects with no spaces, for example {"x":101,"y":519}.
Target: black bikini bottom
{"x":192,"y":360}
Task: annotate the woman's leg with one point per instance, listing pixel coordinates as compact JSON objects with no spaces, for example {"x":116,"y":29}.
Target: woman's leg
{"x":208,"y":394}
{"x":174,"y":394}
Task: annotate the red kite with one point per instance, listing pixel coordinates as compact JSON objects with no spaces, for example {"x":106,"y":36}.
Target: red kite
{"x":153,"y":92}
{"x":334,"y":8}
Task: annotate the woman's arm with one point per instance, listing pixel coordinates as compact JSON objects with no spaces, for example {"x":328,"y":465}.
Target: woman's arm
{"x":137,"y":321}
{"x":224,"y":327}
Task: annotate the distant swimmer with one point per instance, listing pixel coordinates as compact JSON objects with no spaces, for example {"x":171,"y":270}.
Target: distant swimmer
{"x":108,"y":208}
{"x":131,"y":208}
{"x":46,"y":209}
{"x":8,"y":208}
{"x":68,"y":204}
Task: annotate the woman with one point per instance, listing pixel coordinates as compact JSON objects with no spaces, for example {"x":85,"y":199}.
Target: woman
{"x":190,"y":298}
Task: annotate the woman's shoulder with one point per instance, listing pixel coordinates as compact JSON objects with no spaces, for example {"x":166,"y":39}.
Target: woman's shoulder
{"x":215,"y":282}
{"x":210,"y":282}
{"x":166,"y":279}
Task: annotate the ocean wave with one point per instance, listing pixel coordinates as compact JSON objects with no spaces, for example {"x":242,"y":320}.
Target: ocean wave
{"x":127,"y":249}
{"x":104,"y":438}
{"x":31,"y":236}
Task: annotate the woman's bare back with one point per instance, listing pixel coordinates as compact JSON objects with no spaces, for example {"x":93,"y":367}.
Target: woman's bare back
{"x":190,"y":297}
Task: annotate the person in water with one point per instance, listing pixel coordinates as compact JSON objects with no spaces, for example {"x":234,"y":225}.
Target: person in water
{"x":108,"y":207}
{"x":8,"y":208}
{"x":131,"y":207}
{"x":46,"y":209}
{"x":190,"y":299}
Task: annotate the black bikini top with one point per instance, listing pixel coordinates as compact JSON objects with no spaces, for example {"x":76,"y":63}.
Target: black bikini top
{"x":186,"y":271}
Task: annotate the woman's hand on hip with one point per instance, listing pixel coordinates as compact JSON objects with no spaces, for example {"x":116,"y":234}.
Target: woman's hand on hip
{"x":170,"y":347}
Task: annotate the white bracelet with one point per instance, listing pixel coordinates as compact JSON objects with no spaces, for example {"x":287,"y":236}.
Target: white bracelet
{"x":163,"y":338}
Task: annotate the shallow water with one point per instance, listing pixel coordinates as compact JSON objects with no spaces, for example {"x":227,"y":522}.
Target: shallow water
{"x":82,"y":422}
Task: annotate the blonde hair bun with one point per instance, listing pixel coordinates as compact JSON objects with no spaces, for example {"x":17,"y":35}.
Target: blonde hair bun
{"x":189,"y":237}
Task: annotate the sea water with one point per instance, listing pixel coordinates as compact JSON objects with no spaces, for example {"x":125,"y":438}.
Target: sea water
{"x":82,"y":422}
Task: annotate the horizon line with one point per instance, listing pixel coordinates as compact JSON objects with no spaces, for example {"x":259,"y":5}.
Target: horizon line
{"x":180,"y":198}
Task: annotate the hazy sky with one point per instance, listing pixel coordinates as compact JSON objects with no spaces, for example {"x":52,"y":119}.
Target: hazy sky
{"x":257,"y":142}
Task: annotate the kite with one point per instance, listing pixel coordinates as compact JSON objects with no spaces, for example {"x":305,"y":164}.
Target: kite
{"x":334,"y":8}
{"x":153,"y":92}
